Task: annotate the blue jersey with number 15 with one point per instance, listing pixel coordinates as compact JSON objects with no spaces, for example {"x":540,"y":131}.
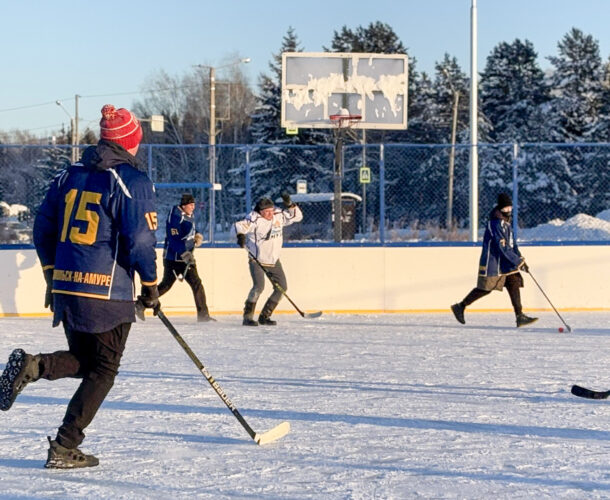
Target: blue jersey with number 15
{"x":95,"y":228}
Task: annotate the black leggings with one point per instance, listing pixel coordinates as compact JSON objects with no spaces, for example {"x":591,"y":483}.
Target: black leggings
{"x":94,"y":357}
{"x":513,"y":283}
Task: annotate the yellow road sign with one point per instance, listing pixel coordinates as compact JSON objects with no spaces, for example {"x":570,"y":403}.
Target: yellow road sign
{"x":365,"y":175}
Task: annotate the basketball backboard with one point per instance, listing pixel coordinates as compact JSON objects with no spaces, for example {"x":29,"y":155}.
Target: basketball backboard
{"x":316,"y":85}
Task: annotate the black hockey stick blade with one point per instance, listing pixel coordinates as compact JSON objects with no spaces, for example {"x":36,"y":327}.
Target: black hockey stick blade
{"x":583,"y":392}
{"x":316,"y":314}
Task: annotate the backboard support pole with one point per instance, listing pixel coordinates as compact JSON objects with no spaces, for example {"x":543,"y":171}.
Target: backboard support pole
{"x":337,"y":184}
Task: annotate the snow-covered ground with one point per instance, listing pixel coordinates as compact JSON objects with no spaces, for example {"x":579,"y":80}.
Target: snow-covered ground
{"x":381,"y":406}
{"x":581,"y":227}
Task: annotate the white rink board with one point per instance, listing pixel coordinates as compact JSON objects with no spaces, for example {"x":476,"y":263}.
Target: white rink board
{"x":355,"y":279}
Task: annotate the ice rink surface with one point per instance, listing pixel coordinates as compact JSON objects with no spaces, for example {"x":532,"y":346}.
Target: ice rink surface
{"x":381,"y":406}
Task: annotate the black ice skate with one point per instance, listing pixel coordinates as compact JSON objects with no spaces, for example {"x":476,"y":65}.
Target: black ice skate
{"x":249,"y":314}
{"x":67,"y":458}
{"x":265,"y":316}
{"x":523,"y":320}
{"x":20,"y":370}
{"x":266,"y":321}
{"x":458,"y":312}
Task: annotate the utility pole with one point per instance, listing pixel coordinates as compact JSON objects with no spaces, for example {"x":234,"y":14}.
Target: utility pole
{"x":456,"y":102}
{"x":76,"y":138}
{"x":73,"y":154}
{"x":212,"y":142}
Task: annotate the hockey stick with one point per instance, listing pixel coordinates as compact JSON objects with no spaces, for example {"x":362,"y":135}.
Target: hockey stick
{"x":583,"y":392}
{"x":549,"y":300}
{"x":182,"y":275}
{"x":266,"y":437}
{"x":316,"y":314}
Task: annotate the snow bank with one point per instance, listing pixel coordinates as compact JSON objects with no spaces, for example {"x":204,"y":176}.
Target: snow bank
{"x":13,"y":210}
{"x":581,"y":227}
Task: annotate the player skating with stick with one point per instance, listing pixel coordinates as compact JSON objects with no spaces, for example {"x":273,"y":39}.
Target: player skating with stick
{"x":261,"y":232}
{"x":500,"y":263}
{"x":94,"y":230}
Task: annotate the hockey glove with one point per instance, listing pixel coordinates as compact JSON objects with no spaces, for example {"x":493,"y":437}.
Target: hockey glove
{"x":48,"y":296}
{"x":148,"y":299}
{"x":286,"y":199}
{"x":198,"y":239}
{"x":241,"y":240}
{"x":188,"y":258}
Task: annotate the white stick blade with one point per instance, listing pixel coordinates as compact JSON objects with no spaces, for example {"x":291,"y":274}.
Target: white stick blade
{"x":313,"y":315}
{"x":274,"y":434}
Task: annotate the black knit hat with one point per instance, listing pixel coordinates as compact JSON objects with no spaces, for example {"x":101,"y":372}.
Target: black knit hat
{"x":263,"y":203}
{"x":186,"y":199}
{"x":504,"y":201}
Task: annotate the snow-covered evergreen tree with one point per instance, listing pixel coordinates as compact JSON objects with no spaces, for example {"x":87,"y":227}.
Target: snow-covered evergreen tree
{"x":512,"y":94}
{"x":276,"y":163}
{"x":376,"y":38}
{"x":265,"y":124}
{"x":562,"y":184}
{"x":512,"y":89}
{"x":577,"y":88}
{"x":428,"y":177}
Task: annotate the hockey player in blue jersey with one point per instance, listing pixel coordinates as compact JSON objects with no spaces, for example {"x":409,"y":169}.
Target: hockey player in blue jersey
{"x":94,"y":230}
{"x":500,"y":263}
{"x":178,"y":259}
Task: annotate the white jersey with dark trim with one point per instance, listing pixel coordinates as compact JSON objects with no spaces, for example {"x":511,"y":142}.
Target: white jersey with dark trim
{"x":264,"y":238}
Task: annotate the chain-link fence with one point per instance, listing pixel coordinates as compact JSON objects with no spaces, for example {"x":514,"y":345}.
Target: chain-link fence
{"x":404,"y":193}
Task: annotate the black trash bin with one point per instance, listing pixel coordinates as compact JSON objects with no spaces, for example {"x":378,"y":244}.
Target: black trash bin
{"x":348,"y":218}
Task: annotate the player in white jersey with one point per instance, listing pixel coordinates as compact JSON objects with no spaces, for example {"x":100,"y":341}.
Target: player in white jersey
{"x":261,"y":232}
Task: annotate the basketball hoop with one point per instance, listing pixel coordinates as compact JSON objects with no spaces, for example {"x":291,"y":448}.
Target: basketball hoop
{"x":344,"y":120}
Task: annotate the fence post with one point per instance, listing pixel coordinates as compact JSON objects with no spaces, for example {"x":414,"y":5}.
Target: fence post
{"x":248,"y":181}
{"x":515,"y":191}
{"x":381,"y":195}
{"x":150,"y":161}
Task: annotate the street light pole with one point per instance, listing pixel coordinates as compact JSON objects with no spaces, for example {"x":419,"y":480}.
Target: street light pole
{"x":474,"y":116}
{"x":212,"y":142}
{"x":72,"y":131}
{"x":212,"y":153}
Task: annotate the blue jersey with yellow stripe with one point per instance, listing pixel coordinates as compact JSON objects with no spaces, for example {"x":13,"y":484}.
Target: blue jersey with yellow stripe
{"x":180,"y":234}
{"x":96,"y":227}
{"x":500,"y":253}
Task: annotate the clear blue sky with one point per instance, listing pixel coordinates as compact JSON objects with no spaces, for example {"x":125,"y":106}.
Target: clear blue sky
{"x":55,"y":49}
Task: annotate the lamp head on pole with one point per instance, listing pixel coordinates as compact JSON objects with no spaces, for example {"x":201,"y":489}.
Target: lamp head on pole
{"x":244,"y":60}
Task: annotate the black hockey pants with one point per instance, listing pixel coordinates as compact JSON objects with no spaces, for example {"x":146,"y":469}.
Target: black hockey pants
{"x":513,"y":283}
{"x":172,"y":269}
{"x":94,"y":357}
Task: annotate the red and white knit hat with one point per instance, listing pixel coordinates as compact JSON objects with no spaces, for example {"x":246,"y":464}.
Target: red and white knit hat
{"x":120,"y":126}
